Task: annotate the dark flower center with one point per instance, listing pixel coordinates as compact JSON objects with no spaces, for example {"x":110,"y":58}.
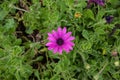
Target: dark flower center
{"x":60,"y":41}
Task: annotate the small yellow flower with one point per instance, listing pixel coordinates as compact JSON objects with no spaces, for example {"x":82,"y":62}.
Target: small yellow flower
{"x":77,"y":15}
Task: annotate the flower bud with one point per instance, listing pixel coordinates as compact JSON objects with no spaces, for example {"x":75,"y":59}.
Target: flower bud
{"x":77,"y":15}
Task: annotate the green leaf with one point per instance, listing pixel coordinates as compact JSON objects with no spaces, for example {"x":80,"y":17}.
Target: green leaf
{"x":85,"y":34}
{"x":100,"y":14}
{"x":26,"y":71}
{"x":10,"y":23}
{"x":55,"y":77}
{"x":99,"y":30}
{"x":37,"y":74}
{"x":17,"y":74}
{"x":89,"y":14}
{"x":86,"y":45}
{"x":3,"y":14}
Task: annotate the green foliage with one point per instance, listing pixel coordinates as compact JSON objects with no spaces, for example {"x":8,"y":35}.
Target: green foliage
{"x":24,"y":25}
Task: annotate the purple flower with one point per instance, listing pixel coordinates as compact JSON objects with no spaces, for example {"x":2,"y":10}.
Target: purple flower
{"x":60,"y":40}
{"x":99,"y":2}
{"x":109,"y":19}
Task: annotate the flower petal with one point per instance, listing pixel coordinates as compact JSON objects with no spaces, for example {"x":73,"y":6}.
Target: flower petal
{"x":60,"y":50}
{"x":70,"y":38}
{"x":52,"y":39}
{"x":50,"y":48}
{"x":55,"y":50}
{"x":49,"y":43}
{"x":55,"y":34}
{"x":65,"y":48}
{"x":50,"y":35}
{"x":69,"y":47}
{"x":64,"y":30}
{"x":59,"y":31}
{"x":70,"y":43}
{"x":67,"y":35}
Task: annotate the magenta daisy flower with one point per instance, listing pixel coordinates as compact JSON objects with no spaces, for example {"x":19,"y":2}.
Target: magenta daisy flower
{"x":60,"y":40}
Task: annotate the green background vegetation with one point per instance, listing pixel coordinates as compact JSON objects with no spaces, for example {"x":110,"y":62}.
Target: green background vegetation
{"x":24,"y":25}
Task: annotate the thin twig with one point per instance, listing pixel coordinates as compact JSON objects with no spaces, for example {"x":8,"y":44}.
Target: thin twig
{"x":12,"y":6}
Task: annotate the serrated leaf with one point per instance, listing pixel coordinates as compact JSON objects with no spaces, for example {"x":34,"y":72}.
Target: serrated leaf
{"x":89,"y":14}
{"x":85,"y":34}
{"x":86,"y":45}
{"x":99,"y":30}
